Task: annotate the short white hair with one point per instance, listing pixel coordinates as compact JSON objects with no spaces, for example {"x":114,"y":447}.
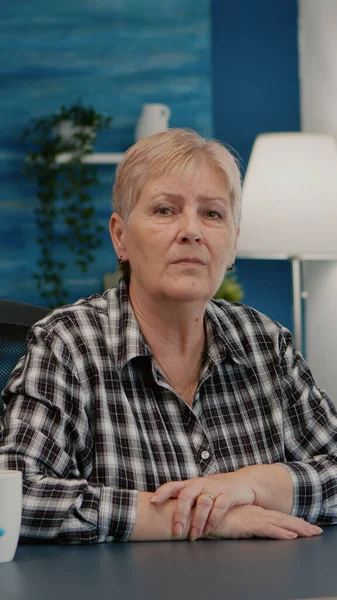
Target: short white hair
{"x":176,"y":151}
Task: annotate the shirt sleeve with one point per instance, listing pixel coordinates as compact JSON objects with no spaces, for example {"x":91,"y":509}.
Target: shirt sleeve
{"x":310,"y":433}
{"x":45,"y":432}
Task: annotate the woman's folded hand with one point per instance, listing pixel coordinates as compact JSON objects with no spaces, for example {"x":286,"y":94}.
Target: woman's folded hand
{"x":209,"y":497}
{"x":204,"y":501}
{"x":254,"y":521}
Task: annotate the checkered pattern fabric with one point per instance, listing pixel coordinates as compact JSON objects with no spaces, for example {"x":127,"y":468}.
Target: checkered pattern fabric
{"x":91,"y":420}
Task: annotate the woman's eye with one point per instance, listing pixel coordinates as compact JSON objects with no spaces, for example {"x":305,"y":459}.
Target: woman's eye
{"x":213,"y":214}
{"x":163,"y":210}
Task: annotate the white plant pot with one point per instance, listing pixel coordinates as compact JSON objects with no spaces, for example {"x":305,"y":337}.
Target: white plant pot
{"x":153,"y":118}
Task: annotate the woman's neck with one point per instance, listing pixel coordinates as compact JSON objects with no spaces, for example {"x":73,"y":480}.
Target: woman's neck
{"x":172,"y":329}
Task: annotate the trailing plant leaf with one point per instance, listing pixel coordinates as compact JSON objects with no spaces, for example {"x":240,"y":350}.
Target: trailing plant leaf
{"x":63,"y":193}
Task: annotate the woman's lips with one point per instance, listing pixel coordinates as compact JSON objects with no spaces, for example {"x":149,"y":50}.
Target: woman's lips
{"x":190,"y":261}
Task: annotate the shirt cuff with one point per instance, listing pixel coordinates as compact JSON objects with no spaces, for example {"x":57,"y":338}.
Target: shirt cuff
{"x":117,"y":514}
{"x":307,"y":491}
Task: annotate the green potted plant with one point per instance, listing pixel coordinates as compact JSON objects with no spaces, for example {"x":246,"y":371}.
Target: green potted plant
{"x":230,"y":289}
{"x":65,"y":212}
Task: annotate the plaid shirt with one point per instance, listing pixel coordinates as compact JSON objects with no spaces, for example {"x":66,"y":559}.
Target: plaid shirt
{"x":91,"y":420}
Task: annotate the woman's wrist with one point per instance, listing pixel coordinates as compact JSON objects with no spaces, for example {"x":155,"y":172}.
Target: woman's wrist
{"x":272,"y":485}
{"x":155,"y":522}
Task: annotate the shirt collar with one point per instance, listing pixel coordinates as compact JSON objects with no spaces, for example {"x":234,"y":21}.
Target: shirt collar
{"x":128,"y":342}
{"x":223,"y":333}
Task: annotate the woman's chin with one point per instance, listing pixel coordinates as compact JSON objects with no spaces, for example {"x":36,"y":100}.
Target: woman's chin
{"x":188,"y":291}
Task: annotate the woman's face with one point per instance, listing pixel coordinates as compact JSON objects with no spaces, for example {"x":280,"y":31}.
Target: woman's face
{"x":180,"y":237}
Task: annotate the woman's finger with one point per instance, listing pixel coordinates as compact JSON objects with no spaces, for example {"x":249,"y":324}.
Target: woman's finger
{"x":232,"y":496}
{"x":171,"y":489}
{"x":203,"y":507}
{"x":185,"y":500}
{"x":268,"y":530}
{"x":253,"y":521}
{"x":299,"y":526}
{"x":221,"y":505}
{"x":182,"y":512}
{"x":187,"y":494}
{"x":211,"y":503}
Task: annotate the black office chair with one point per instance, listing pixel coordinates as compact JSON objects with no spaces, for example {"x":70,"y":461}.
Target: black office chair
{"x":16,"y":318}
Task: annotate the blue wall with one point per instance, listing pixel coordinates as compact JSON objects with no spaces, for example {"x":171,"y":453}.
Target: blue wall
{"x":256,"y":90}
{"x":119,"y":55}
{"x":113,"y":55}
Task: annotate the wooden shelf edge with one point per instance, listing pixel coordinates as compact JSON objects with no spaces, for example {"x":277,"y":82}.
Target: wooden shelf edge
{"x":96,"y":158}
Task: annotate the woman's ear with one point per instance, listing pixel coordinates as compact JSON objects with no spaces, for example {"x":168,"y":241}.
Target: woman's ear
{"x":117,"y":234}
{"x":235,"y":245}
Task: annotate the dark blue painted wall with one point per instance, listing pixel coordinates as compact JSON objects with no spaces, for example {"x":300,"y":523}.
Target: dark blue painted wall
{"x":117,"y":56}
{"x":256,"y":90}
{"x":113,"y":55}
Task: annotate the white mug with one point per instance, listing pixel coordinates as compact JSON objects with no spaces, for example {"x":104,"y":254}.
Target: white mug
{"x":10,"y":512}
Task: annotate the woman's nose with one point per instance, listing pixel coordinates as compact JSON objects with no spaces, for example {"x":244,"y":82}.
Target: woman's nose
{"x":190,"y":229}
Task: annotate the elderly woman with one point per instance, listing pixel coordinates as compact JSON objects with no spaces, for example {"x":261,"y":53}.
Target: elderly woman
{"x":153,"y":412}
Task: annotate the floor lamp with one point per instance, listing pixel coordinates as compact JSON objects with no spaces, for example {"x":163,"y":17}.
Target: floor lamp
{"x":289,"y":205}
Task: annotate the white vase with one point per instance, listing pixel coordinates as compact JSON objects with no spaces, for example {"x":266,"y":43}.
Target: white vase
{"x":153,"y":118}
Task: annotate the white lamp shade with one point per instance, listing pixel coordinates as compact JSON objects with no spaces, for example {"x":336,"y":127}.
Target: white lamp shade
{"x":289,"y":204}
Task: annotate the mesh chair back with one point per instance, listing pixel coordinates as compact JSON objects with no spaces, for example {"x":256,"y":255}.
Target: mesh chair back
{"x":16,"y":318}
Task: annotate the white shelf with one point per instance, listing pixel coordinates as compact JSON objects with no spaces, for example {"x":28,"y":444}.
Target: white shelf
{"x":96,"y":158}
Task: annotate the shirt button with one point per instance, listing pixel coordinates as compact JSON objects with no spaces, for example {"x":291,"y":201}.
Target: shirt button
{"x":205,"y":455}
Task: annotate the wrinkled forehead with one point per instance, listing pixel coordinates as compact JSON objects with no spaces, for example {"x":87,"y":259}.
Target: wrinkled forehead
{"x":209,"y":178}
{"x":191,"y":171}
